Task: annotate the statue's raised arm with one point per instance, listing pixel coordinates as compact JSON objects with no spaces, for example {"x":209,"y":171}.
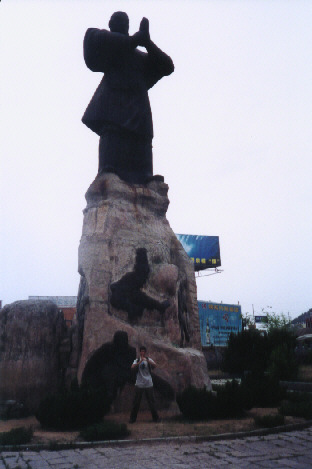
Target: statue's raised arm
{"x":119,"y":111}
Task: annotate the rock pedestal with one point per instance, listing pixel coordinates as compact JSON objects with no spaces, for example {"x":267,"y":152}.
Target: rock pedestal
{"x":137,"y":278}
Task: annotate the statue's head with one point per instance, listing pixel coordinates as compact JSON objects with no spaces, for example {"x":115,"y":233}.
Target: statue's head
{"x":119,"y":23}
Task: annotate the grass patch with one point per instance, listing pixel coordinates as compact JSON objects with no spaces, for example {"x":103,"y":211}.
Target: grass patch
{"x":16,"y":436}
{"x":105,"y":431}
{"x":269,"y":421}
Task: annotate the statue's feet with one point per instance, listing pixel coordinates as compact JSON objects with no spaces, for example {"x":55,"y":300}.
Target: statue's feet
{"x":156,"y":177}
{"x":107,"y":169}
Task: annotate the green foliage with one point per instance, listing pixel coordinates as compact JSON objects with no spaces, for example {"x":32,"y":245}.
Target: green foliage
{"x":16,"y":436}
{"x":281,"y":336}
{"x":246,"y":350}
{"x":282,"y":363}
{"x":298,"y":404}
{"x":196,"y":404}
{"x":105,"y":431}
{"x":232,"y":399}
{"x":252,"y":351}
{"x":261,"y":390}
{"x":200,"y":404}
{"x":76,"y":408}
{"x":278,"y":321}
{"x":297,"y":409}
{"x":270,"y":421}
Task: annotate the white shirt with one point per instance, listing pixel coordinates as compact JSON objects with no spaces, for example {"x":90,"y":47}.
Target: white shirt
{"x":144,"y":379}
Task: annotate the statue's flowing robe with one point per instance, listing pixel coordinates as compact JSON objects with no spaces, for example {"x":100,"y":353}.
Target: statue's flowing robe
{"x":121,"y":99}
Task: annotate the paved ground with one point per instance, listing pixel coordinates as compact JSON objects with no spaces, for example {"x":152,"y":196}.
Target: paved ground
{"x":284,"y":450}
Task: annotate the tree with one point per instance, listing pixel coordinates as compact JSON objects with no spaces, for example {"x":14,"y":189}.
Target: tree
{"x":278,"y":321}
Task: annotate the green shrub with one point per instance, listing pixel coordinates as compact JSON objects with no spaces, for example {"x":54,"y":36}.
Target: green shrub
{"x":282,"y":363}
{"x":16,"y":436}
{"x":261,"y":391}
{"x":76,"y":408}
{"x":105,"y":431}
{"x":196,"y":404}
{"x":246,"y":350}
{"x":200,"y":404}
{"x":281,"y":336}
{"x":231,"y":400}
{"x":297,"y":409}
{"x":252,"y":351}
{"x":270,"y":421}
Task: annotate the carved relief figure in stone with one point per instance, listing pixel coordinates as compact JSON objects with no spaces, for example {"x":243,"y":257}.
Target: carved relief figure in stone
{"x":119,"y":111}
{"x":127,"y":292}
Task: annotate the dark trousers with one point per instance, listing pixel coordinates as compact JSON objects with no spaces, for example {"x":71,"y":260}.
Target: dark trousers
{"x":149,"y":393}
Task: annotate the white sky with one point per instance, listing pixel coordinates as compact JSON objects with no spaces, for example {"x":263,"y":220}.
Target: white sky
{"x":232,"y":137}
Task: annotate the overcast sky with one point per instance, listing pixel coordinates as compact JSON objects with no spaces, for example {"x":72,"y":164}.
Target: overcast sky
{"x":232,"y":130}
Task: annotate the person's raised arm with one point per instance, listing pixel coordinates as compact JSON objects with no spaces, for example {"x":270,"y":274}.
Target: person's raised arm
{"x":136,"y":365}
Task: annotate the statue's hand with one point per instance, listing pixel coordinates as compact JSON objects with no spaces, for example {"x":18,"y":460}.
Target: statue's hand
{"x":142,"y":37}
{"x":144,"y":25}
{"x":144,"y":30}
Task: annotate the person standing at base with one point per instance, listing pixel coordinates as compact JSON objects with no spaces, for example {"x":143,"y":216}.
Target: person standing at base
{"x":144,"y":383}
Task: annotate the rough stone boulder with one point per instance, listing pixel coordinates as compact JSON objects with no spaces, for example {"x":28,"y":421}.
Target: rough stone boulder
{"x":31,"y":333}
{"x":137,"y":278}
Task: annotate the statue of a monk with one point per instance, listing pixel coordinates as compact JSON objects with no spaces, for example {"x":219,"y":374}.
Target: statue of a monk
{"x":119,"y":111}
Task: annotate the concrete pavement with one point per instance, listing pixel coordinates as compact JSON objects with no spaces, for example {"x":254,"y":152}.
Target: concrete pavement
{"x":282,"y":450}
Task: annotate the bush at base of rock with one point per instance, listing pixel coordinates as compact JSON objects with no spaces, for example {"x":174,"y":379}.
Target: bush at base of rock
{"x":72,"y":409}
{"x":16,"y":436}
{"x":200,"y":404}
{"x":269,"y":421}
{"x":105,"y":431}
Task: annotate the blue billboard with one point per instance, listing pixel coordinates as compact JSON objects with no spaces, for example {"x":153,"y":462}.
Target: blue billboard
{"x":203,"y":250}
{"x":217,"y":321}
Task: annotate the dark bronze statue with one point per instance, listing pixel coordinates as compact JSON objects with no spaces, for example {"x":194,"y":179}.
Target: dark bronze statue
{"x":119,"y":111}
